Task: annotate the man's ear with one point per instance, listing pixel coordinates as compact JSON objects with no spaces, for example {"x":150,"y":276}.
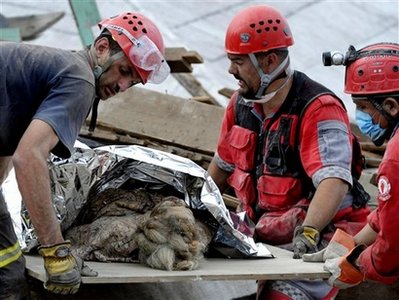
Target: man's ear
{"x":268,"y":59}
{"x":391,"y":106}
{"x":102,"y":47}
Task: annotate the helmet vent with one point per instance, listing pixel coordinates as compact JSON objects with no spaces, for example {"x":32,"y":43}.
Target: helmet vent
{"x":134,"y":28}
{"x":144,"y":30}
{"x":395,"y":68}
{"x":360,"y":72}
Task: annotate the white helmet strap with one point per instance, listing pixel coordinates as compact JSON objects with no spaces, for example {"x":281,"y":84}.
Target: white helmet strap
{"x":266,"y":79}
{"x":98,"y":69}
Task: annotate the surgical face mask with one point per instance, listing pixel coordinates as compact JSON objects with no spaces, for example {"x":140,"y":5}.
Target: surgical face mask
{"x":366,"y":125}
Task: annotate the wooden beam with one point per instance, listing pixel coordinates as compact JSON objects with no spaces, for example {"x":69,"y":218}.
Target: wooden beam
{"x":107,"y":135}
{"x":169,"y":120}
{"x":31,"y":25}
{"x":231,"y":201}
{"x":195,"y":88}
{"x":180,"y":60}
{"x":226,"y":92}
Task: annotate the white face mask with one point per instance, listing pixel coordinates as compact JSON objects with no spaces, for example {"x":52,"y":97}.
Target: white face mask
{"x":267,"y":97}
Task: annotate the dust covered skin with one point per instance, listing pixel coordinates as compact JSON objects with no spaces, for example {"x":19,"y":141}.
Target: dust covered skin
{"x":106,"y":226}
{"x":107,"y":239}
{"x":170,"y":238}
{"x":118,"y":202}
{"x":126,"y":226}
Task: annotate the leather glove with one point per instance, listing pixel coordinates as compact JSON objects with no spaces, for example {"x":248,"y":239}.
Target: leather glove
{"x":344,"y":272}
{"x":305,"y":240}
{"x":340,"y":244}
{"x":63,"y":270}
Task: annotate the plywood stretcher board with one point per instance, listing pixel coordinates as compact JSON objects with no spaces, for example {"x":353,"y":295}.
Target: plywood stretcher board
{"x":282,"y":266}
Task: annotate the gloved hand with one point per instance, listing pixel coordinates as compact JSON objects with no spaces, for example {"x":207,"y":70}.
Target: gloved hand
{"x":344,"y":272}
{"x":305,"y":240}
{"x":63,"y":270}
{"x":340,"y":244}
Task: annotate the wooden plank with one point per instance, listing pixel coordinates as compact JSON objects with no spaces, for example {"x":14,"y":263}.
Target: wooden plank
{"x":30,"y":26}
{"x":181,"y":53}
{"x":231,"y":201}
{"x":167,"y":118}
{"x":226,"y":92}
{"x":283,"y":266}
{"x":194,"y":87}
{"x":112,"y":136}
{"x":180,"y":60}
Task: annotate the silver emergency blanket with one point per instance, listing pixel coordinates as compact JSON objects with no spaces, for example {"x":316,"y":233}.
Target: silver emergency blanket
{"x":113,"y":166}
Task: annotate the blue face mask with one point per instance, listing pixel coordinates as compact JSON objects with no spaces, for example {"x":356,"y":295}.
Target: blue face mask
{"x":366,"y":125}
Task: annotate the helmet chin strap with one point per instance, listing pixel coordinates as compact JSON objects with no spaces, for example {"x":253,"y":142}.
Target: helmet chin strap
{"x":98,"y":69}
{"x":266,"y":79}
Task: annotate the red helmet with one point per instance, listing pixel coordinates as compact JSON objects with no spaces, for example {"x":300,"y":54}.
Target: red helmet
{"x":374,"y":70}
{"x":141,"y":41}
{"x":257,"y":29}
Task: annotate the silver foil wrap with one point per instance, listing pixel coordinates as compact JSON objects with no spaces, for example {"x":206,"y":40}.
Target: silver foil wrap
{"x":113,"y":166}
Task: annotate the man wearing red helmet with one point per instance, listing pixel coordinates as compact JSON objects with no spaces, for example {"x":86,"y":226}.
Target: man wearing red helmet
{"x":285,"y":148}
{"x":372,"y":78}
{"x":46,"y":94}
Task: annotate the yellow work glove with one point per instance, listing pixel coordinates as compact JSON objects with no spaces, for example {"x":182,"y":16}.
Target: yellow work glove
{"x":305,"y":240}
{"x":63,"y":270}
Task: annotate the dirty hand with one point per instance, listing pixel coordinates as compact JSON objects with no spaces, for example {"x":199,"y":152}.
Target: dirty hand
{"x":63,"y":270}
{"x":340,"y":244}
{"x":344,"y":272}
{"x":305,"y":240}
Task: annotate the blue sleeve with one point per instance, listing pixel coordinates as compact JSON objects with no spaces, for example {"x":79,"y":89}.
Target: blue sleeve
{"x":65,"y":109}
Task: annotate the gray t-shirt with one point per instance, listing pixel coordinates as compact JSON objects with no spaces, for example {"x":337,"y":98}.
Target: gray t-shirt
{"x":53,"y":85}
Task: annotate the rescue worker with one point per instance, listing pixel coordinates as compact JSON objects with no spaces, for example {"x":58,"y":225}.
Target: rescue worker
{"x":285,"y":148}
{"x":372,"y":79}
{"x":46,"y":94}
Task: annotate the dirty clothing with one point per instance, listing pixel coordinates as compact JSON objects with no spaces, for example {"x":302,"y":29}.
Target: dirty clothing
{"x":53,"y":85}
{"x":274,"y":181}
{"x":380,"y":261}
{"x":13,"y":283}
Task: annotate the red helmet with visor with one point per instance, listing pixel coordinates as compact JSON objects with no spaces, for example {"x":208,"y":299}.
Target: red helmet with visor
{"x":142,"y":43}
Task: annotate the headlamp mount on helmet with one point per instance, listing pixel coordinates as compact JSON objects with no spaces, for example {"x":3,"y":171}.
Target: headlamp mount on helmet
{"x":338,"y":58}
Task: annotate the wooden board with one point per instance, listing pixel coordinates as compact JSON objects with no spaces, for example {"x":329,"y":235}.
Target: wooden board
{"x":283,"y":266}
{"x":166,"y":118}
{"x":30,"y":26}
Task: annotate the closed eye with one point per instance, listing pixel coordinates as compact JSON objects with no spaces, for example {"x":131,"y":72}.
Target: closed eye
{"x":125,"y":72}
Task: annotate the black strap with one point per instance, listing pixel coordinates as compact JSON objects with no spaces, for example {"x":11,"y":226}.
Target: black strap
{"x":94,"y":113}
